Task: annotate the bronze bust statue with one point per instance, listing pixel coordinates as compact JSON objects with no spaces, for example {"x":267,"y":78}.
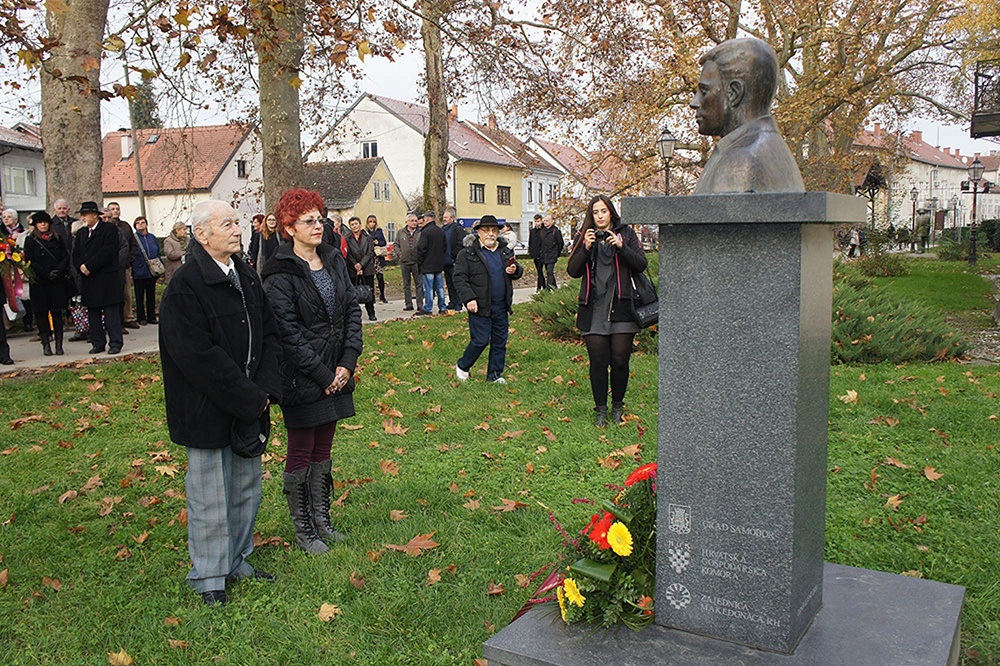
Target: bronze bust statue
{"x":738,"y":80}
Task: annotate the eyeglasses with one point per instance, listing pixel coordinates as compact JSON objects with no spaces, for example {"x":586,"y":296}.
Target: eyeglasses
{"x":310,"y":222}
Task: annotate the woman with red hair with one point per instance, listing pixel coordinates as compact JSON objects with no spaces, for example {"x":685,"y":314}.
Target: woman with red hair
{"x":309,"y":286}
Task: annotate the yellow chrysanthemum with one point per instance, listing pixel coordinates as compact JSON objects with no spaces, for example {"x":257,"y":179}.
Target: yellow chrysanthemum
{"x":15,"y":257}
{"x":573,"y":593}
{"x":561,"y":598}
{"x":620,"y":539}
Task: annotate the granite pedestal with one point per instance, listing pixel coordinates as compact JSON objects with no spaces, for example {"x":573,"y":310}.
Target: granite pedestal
{"x":868,"y":618}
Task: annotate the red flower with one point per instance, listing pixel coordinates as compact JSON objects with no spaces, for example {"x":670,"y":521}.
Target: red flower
{"x":641,"y":474}
{"x":593,"y":521}
{"x":646,"y":604}
{"x":599,"y":533}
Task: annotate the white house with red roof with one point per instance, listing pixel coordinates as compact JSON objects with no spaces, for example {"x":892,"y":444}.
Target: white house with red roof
{"x":23,"y":169}
{"x":180,"y":167}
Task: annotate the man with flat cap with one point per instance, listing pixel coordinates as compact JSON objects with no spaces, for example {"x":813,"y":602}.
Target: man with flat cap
{"x":738,"y":80}
{"x":102,"y":286}
{"x":484,"y":273}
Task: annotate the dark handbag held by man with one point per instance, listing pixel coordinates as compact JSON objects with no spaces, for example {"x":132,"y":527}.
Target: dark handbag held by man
{"x":645,"y":302}
{"x":364,"y":292}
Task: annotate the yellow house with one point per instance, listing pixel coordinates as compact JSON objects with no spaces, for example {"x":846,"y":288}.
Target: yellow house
{"x":481,"y":188}
{"x":360,"y":187}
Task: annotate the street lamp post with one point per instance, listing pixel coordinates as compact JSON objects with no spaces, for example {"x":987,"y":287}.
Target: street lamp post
{"x":665,"y":145}
{"x":975,"y":173}
{"x":913,"y":219}
{"x":954,"y":211}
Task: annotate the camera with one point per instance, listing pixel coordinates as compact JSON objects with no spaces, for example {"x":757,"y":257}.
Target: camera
{"x":602,"y":235}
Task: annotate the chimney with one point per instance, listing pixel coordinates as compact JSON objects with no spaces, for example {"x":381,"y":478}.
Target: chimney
{"x":126,"y":145}
{"x":491,"y":122}
{"x":878,"y":130}
{"x":453,"y":112}
{"x":917,"y":136}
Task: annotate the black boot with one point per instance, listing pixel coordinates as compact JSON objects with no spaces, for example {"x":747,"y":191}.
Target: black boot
{"x":297,"y":493}
{"x":601,"y":416}
{"x":59,"y":343}
{"x":320,"y":487}
{"x":617,"y":413}
{"x":46,"y":347}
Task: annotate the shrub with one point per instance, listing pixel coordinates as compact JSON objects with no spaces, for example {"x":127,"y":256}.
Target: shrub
{"x":870,"y":326}
{"x":882,"y":264}
{"x":950,"y":250}
{"x":554,"y":313}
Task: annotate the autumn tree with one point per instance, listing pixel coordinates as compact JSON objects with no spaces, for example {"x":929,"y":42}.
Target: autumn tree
{"x":436,"y":141}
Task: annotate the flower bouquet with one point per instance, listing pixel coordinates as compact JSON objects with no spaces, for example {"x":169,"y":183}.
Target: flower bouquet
{"x":13,"y":269}
{"x":611,"y":577}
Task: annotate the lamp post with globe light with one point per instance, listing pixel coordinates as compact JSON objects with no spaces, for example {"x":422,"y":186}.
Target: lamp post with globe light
{"x":975,"y":173}
{"x":913,"y":219}
{"x":665,"y":145}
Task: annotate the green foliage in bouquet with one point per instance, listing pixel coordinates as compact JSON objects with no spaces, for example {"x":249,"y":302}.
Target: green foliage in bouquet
{"x":611,"y":577}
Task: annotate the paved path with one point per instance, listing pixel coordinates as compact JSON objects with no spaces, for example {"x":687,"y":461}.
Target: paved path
{"x":27,"y":352}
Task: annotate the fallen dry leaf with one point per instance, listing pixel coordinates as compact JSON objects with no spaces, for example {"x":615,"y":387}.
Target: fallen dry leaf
{"x":357,"y":581}
{"x":172,"y":621}
{"x":67,"y":496}
{"x":141,"y":538}
{"x":391,"y":428}
{"x":389,"y":467}
{"x":417,"y":545}
{"x":51,"y":583}
{"x":896,"y":463}
{"x":932,"y":474}
{"x":329,"y":612}
{"x":4,"y":577}
{"x":349,"y":426}
{"x":894,"y":501}
{"x":168,"y":470}
{"x":398,"y":515}
{"x":494,"y":588}
{"x":92,"y":483}
{"x":433,"y":576}
{"x":17,"y":424}
{"x":850,"y":398}
{"x":386,"y":410}
{"x":178,"y":644}
{"x":509,"y":505}
{"x":471,"y":505}
{"x":522,"y":580}
{"x":119,"y":658}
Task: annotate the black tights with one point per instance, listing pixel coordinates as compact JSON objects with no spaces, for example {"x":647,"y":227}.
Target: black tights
{"x":609,"y":351}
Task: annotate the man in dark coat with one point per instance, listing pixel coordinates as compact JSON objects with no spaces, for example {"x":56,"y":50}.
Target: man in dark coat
{"x":407,"y":240}
{"x":550,"y":246}
{"x":62,"y":223}
{"x":431,"y":249}
{"x":221,"y":354}
{"x":128,"y":307}
{"x":535,"y":251}
{"x":102,"y":286}
{"x":484,"y":274}
{"x":454,"y":234}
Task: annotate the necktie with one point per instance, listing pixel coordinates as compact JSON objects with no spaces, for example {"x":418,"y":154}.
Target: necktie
{"x":233,"y":280}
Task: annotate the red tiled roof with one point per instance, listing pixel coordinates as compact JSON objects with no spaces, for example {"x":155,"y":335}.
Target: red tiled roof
{"x":917,"y":149}
{"x":991,"y":162}
{"x":463,"y":143}
{"x":19,"y":139}
{"x":509,"y":143}
{"x":595,"y":171}
{"x":180,"y":159}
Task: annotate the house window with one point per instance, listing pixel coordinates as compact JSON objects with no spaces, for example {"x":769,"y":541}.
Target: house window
{"x":477,"y":193}
{"x":531,"y":192}
{"x":539,"y":193}
{"x":503,"y":195}
{"x":369,"y":148}
{"x":390,"y":232}
{"x":241,"y":169}
{"x":377,"y":191}
{"x":553,"y":192}
{"x":386,"y":192}
{"x":18,"y":180}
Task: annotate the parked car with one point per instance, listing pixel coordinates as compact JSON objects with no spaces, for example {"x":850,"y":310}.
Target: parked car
{"x":520,"y":249}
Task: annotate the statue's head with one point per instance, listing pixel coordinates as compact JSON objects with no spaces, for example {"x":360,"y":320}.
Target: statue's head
{"x":738,"y":80}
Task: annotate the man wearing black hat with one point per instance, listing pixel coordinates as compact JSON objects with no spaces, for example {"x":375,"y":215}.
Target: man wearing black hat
{"x":484,"y":273}
{"x":95,"y":256}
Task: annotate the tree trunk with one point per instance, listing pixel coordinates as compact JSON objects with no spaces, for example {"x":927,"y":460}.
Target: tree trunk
{"x":71,"y":110}
{"x":279,"y":44}
{"x":436,"y":141}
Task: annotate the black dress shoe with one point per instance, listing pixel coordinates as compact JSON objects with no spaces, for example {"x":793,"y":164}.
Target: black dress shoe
{"x":408,"y":307}
{"x":131,"y":324}
{"x":151,"y":320}
{"x":215,"y":598}
{"x":125,"y":331}
{"x":115,"y":350}
{"x":96,"y":350}
{"x":372,"y":318}
{"x":6,"y":361}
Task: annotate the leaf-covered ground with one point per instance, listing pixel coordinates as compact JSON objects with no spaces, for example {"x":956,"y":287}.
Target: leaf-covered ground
{"x":444,"y":491}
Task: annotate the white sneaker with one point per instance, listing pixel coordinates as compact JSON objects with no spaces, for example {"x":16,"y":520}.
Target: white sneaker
{"x":498,"y":380}
{"x":461,"y":374}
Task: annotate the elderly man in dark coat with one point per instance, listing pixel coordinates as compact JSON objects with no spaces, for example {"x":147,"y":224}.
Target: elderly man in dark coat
{"x":102,"y":286}
{"x":221,"y":354}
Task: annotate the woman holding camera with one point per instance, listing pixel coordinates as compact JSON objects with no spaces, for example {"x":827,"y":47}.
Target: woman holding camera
{"x":606,"y":254}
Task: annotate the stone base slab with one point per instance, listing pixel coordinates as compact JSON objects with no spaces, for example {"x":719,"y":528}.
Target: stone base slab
{"x":868,"y":618}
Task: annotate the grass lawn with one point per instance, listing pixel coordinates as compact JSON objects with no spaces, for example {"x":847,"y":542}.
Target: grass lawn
{"x":93,"y":550}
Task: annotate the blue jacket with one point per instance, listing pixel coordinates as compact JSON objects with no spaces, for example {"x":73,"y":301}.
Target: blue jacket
{"x":140,"y":269}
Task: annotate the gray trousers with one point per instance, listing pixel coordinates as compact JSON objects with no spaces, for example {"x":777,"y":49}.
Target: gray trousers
{"x":223,"y":495}
{"x":411,"y":273}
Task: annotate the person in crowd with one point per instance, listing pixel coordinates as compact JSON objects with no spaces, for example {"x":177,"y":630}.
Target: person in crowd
{"x":12,"y":227}
{"x":378,"y":238}
{"x":431,"y":251}
{"x":175,"y":247}
{"x":309,"y":286}
{"x":142,"y":278}
{"x":361,"y":256}
{"x":484,"y":274}
{"x":256,"y":225}
{"x":334,"y":231}
{"x":853,"y":242}
{"x":407,"y":240}
{"x":128,"y":307}
{"x":221,"y":353}
{"x":62,"y":223}
{"x":102,"y":287}
{"x":50,"y":285}
{"x":267,"y":244}
{"x":454,"y":234}
{"x":508,"y":234}
{"x":15,"y":231}
{"x":549,"y":249}
{"x":605,"y":255}
{"x":535,"y":251}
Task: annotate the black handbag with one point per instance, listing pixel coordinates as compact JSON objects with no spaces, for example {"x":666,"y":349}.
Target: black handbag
{"x":645,"y":302}
{"x":365,"y":292}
